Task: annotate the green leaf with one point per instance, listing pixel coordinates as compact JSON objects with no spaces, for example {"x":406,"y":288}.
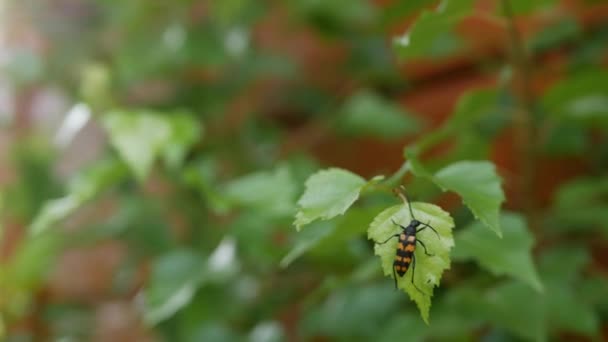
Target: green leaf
{"x":174,"y":280}
{"x":368,"y":114}
{"x":473,"y":106}
{"x":526,"y":6}
{"x":431,"y":35}
{"x":308,"y":239}
{"x":511,"y":255}
{"x":271,"y":192}
{"x":556,"y":35}
{"x":328,"y":193}
{"x":428,"y":269}
{"x":582,"y":97}
{"x":330,"y":234}
{"x":139,"y":137}
{"x":580,"y":206}
{"x":517,"y":308}
{"x":477,"y":183}
{"x":185,"y":132}
{"x":565,"y":307}
{"x":82,"y":188}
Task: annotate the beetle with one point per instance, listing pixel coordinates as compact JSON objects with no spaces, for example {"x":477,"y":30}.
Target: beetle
{"x":404,"y":256}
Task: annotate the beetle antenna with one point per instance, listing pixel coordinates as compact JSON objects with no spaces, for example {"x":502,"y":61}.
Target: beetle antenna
{"x":401,"y":193}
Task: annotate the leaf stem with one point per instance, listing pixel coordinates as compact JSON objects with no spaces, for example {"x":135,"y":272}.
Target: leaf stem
{"x":522,"y":117}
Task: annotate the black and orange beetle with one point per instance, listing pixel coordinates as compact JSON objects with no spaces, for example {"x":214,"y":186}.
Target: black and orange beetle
{"x":407,"y":243}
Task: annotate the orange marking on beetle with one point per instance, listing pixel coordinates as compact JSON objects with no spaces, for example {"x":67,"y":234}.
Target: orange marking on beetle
{"x":411,"y":238}
{"x":410,"y":248}
{"x":407,"y":260}
{"x":398,"y":258}
{"x":400,"y":246}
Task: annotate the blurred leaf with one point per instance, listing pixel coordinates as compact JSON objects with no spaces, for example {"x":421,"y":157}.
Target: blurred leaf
{"x":398,"y":10}
{"x":580,"y":97}
{"x":525,"y":6}
{"x":403,"y":326}
{"x":431,"y":35}
{"x":202,"y":175}
{"x":367,"y":114}
{"x":517,"y":308}
{"x":473,"y":106}
{"x":567,"y":312}
{"x":82,"y":188}
{"x":580,"y":206}
{"x":476,"y":182}
{"x":307,"y":239}
{"x":330,"y":234}
{"x":352,"y":312}
{"x":174,"y":279}
{"x":53,"y":211}
{"x":328,"y":193}
{"x":185,"y":132}
{"x":566,"y":307}
{"x":268,"y":331}
{"x":139,"y":137}
{"x":142,"y":136}
{"x":511,"y":255}
{"x":429,"y":269}
{"x":270,"y":192}
{"x":555,"y":35}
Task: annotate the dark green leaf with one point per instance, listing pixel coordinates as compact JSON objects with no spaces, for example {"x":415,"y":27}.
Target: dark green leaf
{"x":270,"y":192}
{"x":511,"y":255}
{"x":174,"y":280}
{"x":431,"y":35}
{"x":366,"y":113}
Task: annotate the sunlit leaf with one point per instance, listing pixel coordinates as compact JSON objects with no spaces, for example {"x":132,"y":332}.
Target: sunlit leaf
{"x":139,"y":137}
{"x":328,"y":193}
{"x":428,"y":268}
{"x":511,"y":255}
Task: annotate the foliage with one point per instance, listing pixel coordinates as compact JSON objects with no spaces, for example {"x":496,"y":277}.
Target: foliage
{"x":241,"y":184}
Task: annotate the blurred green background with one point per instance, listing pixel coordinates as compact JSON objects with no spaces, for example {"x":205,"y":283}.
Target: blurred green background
{"x":152,"y":154}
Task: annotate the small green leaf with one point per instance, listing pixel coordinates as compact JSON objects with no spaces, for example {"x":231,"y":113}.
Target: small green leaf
{"x":511,"y":255}
{"x":477,"y":183}
{"x":328,"y":193}
{"x":82,"y":188}
{"x":368,"y":114}
{"x":139,"y":137}
{"x":174,"y":280}
{"x":271,"y":192}
{"x":428,"y":269}
{"x":431,"y":34}
{"x":185,"y":132}
{"x":473,"y":106}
